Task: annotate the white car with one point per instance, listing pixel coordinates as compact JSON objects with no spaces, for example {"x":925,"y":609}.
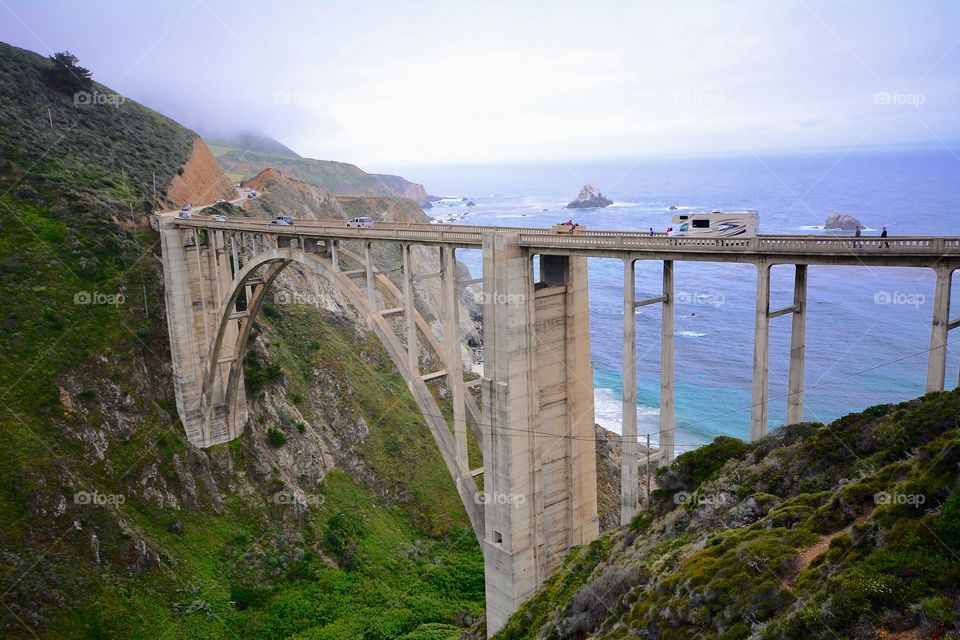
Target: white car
{"x":285,"y":220}
{"x":184,"y":214}
{"x":220,"y":218}
{"x":362,"y":222}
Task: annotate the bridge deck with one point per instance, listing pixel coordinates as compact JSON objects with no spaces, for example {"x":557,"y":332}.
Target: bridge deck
{"x":894,"y":251}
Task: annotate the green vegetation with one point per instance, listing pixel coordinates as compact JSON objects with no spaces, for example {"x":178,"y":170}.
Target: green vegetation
{"x":192,"y":544}
{"x":748,"y":554}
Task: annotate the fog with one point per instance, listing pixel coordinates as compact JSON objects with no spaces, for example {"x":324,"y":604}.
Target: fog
{"x":387,"y":84}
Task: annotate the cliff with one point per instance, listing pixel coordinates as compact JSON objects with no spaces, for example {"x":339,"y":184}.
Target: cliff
{"x":847,"y":530}
{"x":340,"y":178}
{"x":202,"y":180}
{"x":113,"y":525}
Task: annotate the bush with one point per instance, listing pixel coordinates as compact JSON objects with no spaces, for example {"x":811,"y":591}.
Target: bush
{"x":276,"y":437}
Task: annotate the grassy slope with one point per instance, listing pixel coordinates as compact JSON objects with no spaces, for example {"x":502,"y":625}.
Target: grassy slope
{"x":731,"y":570}
{"x":65,"y":198}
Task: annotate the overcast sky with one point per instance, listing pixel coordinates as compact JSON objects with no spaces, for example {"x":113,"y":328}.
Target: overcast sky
{"x":387,"y":84}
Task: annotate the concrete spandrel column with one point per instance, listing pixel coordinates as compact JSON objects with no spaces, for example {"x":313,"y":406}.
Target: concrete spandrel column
{"x":940,"y":327}
{"x":797,"y":347}
{"x":371,"y":286}
{"x":451,"y":348}
{"x":668,"y":417}
{"x":629,"y":487}
{"x":761,"y":348}
{"x":335,"y":254}
{"x":413,"y":350}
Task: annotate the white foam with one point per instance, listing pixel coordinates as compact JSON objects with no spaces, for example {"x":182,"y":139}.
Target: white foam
{"x":608,"y":413}
{"x":690,"y":334}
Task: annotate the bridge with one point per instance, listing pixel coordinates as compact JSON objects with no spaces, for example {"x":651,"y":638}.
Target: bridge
{"x":535,"y":417}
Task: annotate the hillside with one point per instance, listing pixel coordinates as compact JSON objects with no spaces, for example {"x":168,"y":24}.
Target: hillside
{"x":850,"y":530}
{"x":113,"y":525}
{"x":341,"y":178}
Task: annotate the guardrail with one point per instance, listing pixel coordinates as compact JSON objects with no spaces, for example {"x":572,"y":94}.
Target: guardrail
{"x":601,"y":241}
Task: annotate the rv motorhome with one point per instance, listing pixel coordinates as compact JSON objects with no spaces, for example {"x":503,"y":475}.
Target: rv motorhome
{"x":717,"y":224}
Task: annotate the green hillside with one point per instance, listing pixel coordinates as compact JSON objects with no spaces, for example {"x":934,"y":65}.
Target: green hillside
{"x":113,"y":526}
{"x":849,"y":530}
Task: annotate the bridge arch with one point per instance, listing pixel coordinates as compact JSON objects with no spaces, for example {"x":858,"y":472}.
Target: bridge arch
{"x":258,"y":273}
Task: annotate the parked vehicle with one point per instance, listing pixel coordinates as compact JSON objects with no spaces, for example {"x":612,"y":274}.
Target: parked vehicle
{"x":286,"y":220}
{"x":363,"y":222}
{"x":568,"y":227}
{"x":716,"y":224}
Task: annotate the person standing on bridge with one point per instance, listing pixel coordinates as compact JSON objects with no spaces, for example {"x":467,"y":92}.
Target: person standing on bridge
{"x":857,"y":243}
{"x":883,"y":234}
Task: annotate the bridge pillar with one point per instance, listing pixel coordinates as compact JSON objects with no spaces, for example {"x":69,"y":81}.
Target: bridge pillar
{"x":539,"y":444}
{"x":797,"y":346}
{"x":761,"y":348}
{"x":937,"y":357}
{"x":196,"y":277}
{"x":413,"y":350}
{"x":453,"y":363}
{"x":668,"y":412}
{"x":629,"y":485}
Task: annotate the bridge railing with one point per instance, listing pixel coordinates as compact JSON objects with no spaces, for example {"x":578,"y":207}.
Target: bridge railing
{"x":601,"y":240}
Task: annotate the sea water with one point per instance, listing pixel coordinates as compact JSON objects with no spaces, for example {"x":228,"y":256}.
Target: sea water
{"x":868,"y":329}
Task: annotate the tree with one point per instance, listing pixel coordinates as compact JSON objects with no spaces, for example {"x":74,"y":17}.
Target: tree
{"x":66,"y":75}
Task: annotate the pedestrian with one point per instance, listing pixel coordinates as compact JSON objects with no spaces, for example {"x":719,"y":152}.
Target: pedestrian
{"x":857,"y":243}
{"x":883,"y":234}
{"x":651,"y":230}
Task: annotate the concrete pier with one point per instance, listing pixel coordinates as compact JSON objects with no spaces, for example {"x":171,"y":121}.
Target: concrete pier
{"x":761,"y":349}
{"x":629,"y":487}
{"x":798,"y":346}
{"x":937,"y":360}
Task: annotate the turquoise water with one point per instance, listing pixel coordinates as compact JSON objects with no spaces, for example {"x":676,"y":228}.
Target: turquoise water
{"x":849,"y":328}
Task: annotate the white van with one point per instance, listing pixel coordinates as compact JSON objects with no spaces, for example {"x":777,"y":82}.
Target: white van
{"x":362,"y":222}
{"x":716,"y":224}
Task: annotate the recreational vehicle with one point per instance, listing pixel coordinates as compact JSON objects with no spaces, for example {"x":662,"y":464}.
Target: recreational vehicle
{"x":716,"y":224}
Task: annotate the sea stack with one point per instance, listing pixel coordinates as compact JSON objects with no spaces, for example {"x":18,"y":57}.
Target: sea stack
{"x":842,"y":221}
{"x":590,"y":198}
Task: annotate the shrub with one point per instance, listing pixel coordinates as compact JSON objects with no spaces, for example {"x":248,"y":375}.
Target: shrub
{"x":276,"y":437}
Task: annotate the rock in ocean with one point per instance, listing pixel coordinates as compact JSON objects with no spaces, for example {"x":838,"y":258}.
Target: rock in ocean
{"x":590,"y":197}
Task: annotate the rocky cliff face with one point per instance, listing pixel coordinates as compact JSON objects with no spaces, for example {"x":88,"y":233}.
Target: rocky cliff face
{"x":202,"y":180}
{"x":842,"y":221}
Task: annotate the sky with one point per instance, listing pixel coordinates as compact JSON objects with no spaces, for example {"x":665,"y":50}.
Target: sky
{"x":389,"y":84}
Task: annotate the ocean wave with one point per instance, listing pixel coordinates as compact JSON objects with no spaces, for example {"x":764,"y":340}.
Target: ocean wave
{"x":690,"y":334}
{"x":608,"y":413}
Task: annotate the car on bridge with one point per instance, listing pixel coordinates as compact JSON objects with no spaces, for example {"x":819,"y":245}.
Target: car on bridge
{"x":363,"y":222}
{"x":220,"y":218}
{"x":284,"y":220}
{"x":716,"y":224}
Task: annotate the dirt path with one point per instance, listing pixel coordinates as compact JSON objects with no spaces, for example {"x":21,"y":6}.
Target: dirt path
{"x":809,"y":554}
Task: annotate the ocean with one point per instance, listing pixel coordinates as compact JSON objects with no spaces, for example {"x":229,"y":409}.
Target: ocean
{"x":868,"y":329}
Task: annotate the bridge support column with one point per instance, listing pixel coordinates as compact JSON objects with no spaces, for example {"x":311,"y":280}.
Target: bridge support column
{"x":937,"y":357}
{"x":371,"y":284}
{"x":668,"y":417}
{"x":761,"y":349}
{"x":539,"y":442}
{"x":629,"y":485}
{"x":451,"y":347}
{"x":797,"y":346}
{"x":193,"y":288}
{"x":335,"y":254}
{"x":413,"y":350}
